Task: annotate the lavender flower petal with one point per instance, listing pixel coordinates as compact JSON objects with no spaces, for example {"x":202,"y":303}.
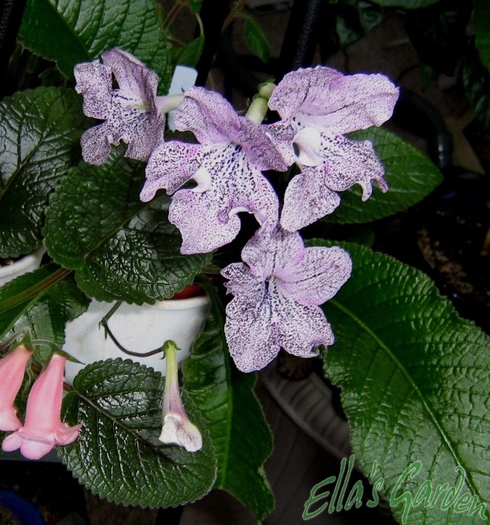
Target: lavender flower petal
{"x":277,"y":290}
{"x":130,"y":110}
{"x":227,"y":168}
{"x":325,"y":99}
{"x":319,"y":105}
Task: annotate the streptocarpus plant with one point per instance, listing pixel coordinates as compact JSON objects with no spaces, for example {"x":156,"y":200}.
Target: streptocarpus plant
{"x":146,"y":211}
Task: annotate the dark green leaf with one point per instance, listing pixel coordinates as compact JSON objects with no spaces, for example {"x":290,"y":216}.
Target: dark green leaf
{"x":482,"y":31}
{"x":438,"y":33}
{"x":411,"y":176}
{"x":39,"y":139}
{"x":72,"y":31}
{"x":121,"y":248}
{"x":406,"y":4}
{"x":195,"y":5}
{"x":51,"y":300}
{"x":256,"y":40}
{"x":233,"y":414}
{"x":356,"y":18}
{"x":192,"y":53}
{"x":415,"y":385}
{"x":476,"y":79}
{"x":118,"y":455}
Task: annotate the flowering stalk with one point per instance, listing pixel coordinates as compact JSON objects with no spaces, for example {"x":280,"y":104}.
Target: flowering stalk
{"x":177,"y":429}
{"x":12,"y":369}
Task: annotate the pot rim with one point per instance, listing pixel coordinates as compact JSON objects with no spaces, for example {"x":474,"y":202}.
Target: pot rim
{"x":22,"y":264}
{"x":180,"y":304}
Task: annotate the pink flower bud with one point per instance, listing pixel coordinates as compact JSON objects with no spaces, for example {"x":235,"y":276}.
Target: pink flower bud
{"x":43,"y":428}
{"x":12,"y":369}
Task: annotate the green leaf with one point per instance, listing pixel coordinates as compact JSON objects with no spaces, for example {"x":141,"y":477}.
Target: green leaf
{"x":476,"y":80}
{"x":482,"y":31}
{"x":406,"y":4}
{"x":415,"y":384}
{"x":192,"y":53}
{"x":356,"y":18}
{"x":195,"y":5}
{"x":121,"y":248}
{"x":118,"y":455}
{"x":51,"y":299}
{"x":256,"y":40}
{"x":240,"y":433}
{"x":73,"y":31}
{"x":411,"y":176}
{"x":39,"y":138}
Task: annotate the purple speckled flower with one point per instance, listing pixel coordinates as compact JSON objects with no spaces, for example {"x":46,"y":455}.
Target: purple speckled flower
{"x":132,"y":112}
{"x":226,"y":167}
{"x":277,"y":292}
{"x":318,"y":106}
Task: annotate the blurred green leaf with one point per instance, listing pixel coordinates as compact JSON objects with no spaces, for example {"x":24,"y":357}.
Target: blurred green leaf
{"x":192,"y":53}
{"x":356,"y":18}
{"x":118,"y":455}
{"x":121,"y":248}
{"x":482,"y":31}
{"x":411,"y":176}
{"x":73,"y":31}
{"x":256,"y":40}
{"x":476,"y":80}
{"x":39,"y":140}
{"x":406,"y":4}
{"x":233,"y":414}
{"x":195,"y":5}
{"x":415,"y":382}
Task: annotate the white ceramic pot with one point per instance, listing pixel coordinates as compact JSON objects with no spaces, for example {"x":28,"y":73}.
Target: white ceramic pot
{"x":24,"y":265}
{"x":137,"y":328}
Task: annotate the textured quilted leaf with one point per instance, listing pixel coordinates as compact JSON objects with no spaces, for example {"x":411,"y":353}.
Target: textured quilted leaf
{"x":118,"y":455}
{"x":121,"y":248}
{"x":415,"y":382}
{"x":72,"y":31}
{"x":39,"y":138}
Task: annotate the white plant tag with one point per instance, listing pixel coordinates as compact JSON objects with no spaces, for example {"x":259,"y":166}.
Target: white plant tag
{"x":184,"y":77}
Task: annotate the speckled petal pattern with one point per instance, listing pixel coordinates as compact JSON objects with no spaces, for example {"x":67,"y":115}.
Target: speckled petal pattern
{"x":277,"y":292}
{"x":319,"y":105}
{"x":130,"y":111}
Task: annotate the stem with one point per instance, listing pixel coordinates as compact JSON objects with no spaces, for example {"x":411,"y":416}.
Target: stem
{"x":229,"y":19}
{"x":170,"y":350}
{"x":171,"y":16}
{"x":28,"y":294}
{"x":105,"y":323}
{"x":171,"y":379}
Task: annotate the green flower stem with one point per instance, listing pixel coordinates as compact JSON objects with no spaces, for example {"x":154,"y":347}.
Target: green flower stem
{"x":170,"y":351}
{"x":35,"y":290}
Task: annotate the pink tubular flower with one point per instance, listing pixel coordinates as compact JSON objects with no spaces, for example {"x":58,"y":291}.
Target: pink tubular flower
{"x":177,"y":429}
{"x":318,"y":106}
{"x":132,"y":112}
{"x":278,"y":289}
{"x":12,"y":369}
{"x":43,"y":428}
{"x":227,"y":167}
